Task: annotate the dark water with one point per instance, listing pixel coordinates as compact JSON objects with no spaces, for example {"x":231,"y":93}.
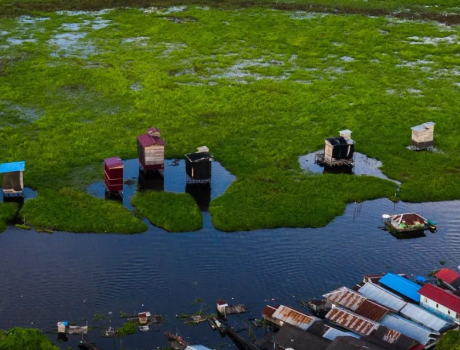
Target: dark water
{"x":174,"y":180}
{"x":63,"y":276}
{"x":363,"y":166}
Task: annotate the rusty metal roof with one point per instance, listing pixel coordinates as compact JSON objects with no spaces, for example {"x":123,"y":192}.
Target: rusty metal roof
{"x":268,"y":311}
{"x":351,"y":321}
{"x":293,"y":317}
{"x":410,"y":219}
{"x":357,"y":302}
{"x":345,"y":297}
{"x":372,"y":310}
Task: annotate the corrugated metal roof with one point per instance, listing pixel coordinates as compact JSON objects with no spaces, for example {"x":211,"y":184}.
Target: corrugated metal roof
{"x":293,"y":337}
{"x":293,"y":317}
{"x":372,"y":310}
{"x":197,"y":347}
{"x":333,"y":333}
{"x":422,"y":127}
{"x":410,"y":219}
{"x":447,"y":275}
{"x":441,"y":296}
{"x":401,"y":285}
{"x":221,"y":302}
{"x":114,"y":162}
{"x":268,"y":311}
{"x":10,"y":167}
{"x":351,"y":321}
{"x":345,"y":297}
{"x":421,"y":334}
{"x":382,"y":296}
{"x":422,"y":316}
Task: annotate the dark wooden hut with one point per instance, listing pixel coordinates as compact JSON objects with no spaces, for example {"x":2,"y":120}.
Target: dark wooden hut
{"x":13,"y":178}
{"x":113,"y":169}
{"x":198,"y":165}
{"x":422,"y":135}
{"x":151,"y":150}
{"x":338,"y":151}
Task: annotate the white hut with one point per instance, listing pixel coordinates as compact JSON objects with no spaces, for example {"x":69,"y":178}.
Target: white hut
{"x":422,"y":135}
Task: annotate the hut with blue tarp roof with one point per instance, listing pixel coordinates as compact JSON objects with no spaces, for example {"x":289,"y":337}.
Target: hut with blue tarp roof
{"x":13,"y":178}
{"x":401,"y":285}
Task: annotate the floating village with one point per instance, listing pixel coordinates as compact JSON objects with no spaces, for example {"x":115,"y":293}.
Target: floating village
{"x":386,"y":311}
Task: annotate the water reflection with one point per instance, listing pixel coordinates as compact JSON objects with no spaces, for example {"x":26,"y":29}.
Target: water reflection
{"x":363,"y":166}
{"x":174,"y":180}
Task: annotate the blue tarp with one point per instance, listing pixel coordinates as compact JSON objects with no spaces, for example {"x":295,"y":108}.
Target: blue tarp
{"x":10,"y":167}
{"x":401,"y":285}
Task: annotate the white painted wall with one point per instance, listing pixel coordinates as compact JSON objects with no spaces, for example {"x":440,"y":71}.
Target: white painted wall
{"x":429,"y":304}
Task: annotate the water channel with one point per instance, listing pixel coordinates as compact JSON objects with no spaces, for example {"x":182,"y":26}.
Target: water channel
{"x":64,"y":276}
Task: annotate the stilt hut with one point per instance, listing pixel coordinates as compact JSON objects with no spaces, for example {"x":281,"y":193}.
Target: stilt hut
{"x":198,"y":165}
{"x":13,"y":178}
{"x":422,"y":135}
{"x":113,"y":175}
{"x":338,"y":151}
{"x":151,"y":150}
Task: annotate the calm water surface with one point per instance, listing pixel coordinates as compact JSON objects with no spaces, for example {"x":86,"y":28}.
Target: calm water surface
{"x":64,"y":276}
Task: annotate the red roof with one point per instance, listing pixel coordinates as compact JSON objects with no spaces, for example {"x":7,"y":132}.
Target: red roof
{"x":114,"y":162}
{"x":221,"y":302}
{"x":153,"y":130}
{"x":440,"y":296}
{"x":268,"y":311}
{"x":410,"y":219}
{"x":447,"y":275}
{"x":148,"y":140}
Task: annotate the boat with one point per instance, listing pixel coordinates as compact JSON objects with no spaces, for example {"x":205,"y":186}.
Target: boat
{"x":212,"y":324}
{"x":407,"y":222}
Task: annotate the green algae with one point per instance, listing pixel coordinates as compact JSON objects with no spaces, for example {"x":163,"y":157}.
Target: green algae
{"x":175,"y":212}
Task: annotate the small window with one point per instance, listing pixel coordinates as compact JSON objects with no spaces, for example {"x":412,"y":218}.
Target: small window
{"x":437,"y":306}
{"x":448,"y":312}
{"x":426,"y":300}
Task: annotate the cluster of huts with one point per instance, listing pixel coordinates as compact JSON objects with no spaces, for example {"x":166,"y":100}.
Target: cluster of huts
{"x":382,"y":312}
{"x":338,"y":151}
{"x":151,"y":152}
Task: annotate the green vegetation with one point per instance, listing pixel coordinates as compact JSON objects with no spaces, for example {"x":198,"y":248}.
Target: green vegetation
{"x":259,"y":87}
{"x":127,"y":328}
{"x":449,"y":341}
{"x":75,"y":211}
{"x":25,"y":339}
{"x":7,"y":212}
{"x":175,"y":212}
{"x":300,"y":203}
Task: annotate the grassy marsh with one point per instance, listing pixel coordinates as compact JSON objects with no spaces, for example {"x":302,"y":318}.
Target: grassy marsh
{"x":259,"y":87}
{"x":75,"y":211}
{"x":7,"y":212}
{"x":175,"y":212}
{"x":25,"y":339}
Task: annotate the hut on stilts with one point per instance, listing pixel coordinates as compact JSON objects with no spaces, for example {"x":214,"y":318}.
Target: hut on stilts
{"x":338,"y":151}
{"x":151,"y":150}
{"x":198,"y":165}
{"x":13,"y":179}
{"x":422,"y":136}
{"x":113,"y":169}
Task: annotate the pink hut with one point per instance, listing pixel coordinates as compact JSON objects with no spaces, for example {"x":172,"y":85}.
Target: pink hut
{"x":151,"y":150}
{"x":113,"y":175}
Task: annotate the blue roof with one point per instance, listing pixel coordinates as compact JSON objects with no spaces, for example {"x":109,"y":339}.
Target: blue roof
{"x":401,"y":285}
{"x":10,"y":167}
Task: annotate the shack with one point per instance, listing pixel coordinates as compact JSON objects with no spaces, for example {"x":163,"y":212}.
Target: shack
{"x":13,"y":178}
{"x":198,"y":165}
{"x":338,"y":151}
{"x":422,"y":136}
{"x":151,"y":150}
{"x":113,"y":170}
{"x":448,"y":278}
